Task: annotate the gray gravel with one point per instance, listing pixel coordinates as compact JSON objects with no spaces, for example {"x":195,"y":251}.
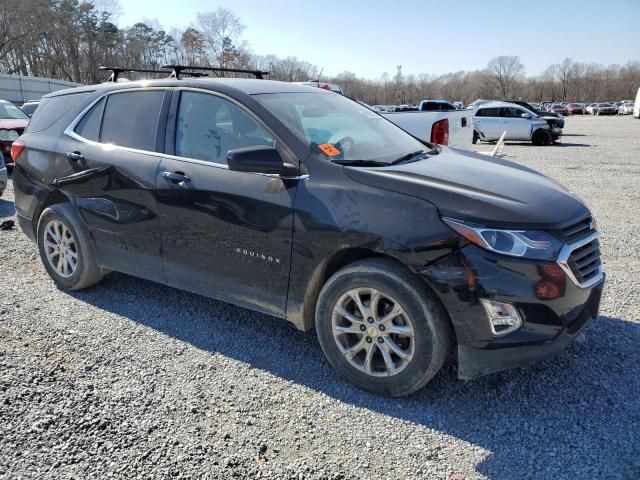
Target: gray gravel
{"x":135,"y":380}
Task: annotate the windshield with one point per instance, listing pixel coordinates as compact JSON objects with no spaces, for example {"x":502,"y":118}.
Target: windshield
{"x":339,"y":128}
{"x":10,"y":111}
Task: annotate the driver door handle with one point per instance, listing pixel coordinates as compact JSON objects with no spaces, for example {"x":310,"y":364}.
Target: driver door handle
{"x":176,"y":177}
{"x":74,"y":156}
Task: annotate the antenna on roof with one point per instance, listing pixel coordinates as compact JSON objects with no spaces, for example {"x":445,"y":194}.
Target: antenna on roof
{"x":116,"y":71}
{"x":177,"y":70}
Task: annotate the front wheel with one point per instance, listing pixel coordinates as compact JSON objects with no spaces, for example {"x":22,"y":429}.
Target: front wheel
{"x":541,"y":138}
{"x":381,"y":328}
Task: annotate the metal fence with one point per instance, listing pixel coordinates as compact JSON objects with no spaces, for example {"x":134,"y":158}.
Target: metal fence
{"x":19,"y":88}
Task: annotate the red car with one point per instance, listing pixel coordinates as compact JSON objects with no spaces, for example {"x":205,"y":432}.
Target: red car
{"x":575,"y":109}
{"x":12,"y":123}
{"x":558,"y":108}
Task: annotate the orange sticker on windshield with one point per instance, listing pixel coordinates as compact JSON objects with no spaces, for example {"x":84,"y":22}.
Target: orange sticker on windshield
{"x":329,"y":150}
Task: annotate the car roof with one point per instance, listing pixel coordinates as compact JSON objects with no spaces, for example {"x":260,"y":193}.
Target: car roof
{"x":247,"y":86}
{"x":494,"y":104}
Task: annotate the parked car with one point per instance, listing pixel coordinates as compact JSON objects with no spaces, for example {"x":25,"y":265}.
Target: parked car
{"x":636,"y":106}
{"x":575,"y":109}
{"x":303,"y":204}
{"x":3,"y":175}
{"x":604,"y":109}
{"x":459,"y":105}
{"x":30,"y":107}
{"x":558,"y":108}
{"x":590,"y":107}
{"x":626,"y":109}
{"x":493,"y":119}
{"x":12,"y":124}
{"x":435,"y":106}
{"x":557,"y":119}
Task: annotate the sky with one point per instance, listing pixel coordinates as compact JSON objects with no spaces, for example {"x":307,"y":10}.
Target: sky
{"x":424,"y":36}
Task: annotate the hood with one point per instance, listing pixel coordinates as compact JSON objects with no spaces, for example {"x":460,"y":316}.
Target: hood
{"x":480,"y":189}
{"x":13,"y":123}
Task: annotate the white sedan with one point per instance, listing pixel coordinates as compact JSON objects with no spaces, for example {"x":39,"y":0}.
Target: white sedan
{"x":626,"y":108}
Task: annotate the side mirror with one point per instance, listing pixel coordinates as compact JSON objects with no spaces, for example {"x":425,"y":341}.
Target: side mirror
{"x":525,"y":115}
{"x":259,"y":159}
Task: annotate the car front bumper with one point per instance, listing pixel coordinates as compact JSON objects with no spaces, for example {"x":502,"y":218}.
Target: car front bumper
{"x":554,"y":310}
{"x":3,"y":178}
{"x":5,"y":151}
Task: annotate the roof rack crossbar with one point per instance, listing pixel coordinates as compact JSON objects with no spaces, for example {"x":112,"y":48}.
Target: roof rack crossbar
{"x":116,"y":71}
{"x":178,"y":69}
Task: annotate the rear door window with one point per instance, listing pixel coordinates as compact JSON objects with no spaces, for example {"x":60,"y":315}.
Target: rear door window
{"x":488,"y":112}
{"x":130,"y":119}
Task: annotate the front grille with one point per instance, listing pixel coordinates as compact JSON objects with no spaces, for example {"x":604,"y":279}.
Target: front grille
{"x":576,"y":231}
{"x":585,"y":262}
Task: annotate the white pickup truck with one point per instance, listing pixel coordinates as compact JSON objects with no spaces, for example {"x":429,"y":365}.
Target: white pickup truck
{"x":445,"y":127}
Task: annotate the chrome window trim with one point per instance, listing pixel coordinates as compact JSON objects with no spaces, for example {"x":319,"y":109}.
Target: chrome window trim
{"x":563,"y":261}
{"x":70,"y":131}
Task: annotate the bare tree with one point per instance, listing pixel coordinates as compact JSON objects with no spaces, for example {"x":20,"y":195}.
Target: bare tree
{"x":221,"y":31}
{"x":507,"y":71}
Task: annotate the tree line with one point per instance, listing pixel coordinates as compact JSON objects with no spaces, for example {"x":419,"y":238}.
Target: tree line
{"x":70,"y":39}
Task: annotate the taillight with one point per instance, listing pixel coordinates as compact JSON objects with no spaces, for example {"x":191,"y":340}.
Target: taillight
{"x":16,"y":149}
{"x":440,"y":132}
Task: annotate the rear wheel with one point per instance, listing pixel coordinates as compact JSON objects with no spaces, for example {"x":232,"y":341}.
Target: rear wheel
{"x":65,"y":249}
{"x":541,"y":137}
{"x":381,"y":328}
{"x":475,"y":137}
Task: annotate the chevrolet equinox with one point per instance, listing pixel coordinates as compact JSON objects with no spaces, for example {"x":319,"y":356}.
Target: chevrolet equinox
{"x":305,"y":205}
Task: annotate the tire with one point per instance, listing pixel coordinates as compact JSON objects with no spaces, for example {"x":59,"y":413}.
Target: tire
{"x":475,"y":137}
{"x":421,"y":313}
{"x":63,"y":220}
{"x":541,"y":138}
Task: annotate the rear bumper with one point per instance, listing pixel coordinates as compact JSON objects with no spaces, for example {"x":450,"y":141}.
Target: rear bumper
{"x":553,"y":309}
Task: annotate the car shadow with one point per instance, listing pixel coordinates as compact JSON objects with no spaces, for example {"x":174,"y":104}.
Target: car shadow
{"x":555,"y":417}
{"x":566,"y":144}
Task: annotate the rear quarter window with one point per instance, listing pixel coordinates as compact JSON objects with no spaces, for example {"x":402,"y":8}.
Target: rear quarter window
{"x":51,"y":109}
{"x":89,"y":126}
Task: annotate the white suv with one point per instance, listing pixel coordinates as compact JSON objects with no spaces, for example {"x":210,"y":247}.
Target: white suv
{"x":493,"y":119}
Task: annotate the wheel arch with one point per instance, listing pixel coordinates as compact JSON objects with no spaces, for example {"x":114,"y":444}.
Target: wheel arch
{"x":337,"y":261}
{"x":54,"y":197}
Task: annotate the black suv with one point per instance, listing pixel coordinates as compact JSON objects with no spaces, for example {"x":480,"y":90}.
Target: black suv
{"x":305,"y":205}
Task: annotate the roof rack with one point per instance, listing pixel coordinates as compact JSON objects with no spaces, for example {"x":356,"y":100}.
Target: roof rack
{"x":116,"y":71}
{"x":179,"y":69}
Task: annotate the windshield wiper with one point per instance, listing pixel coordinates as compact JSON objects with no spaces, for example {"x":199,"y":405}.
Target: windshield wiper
{"x":409,"y":157}
{"x":361,"y":163}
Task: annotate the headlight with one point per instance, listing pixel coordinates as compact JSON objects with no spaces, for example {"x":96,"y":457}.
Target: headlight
{"x":533,"y":244}
{"x":8,"y":135}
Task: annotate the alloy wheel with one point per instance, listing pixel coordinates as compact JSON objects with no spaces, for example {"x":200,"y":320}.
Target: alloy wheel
{"x":60,"y":248}
{"x":373,"y":332}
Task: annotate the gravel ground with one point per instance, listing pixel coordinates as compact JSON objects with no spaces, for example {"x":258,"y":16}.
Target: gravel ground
{"x":135,"y":380}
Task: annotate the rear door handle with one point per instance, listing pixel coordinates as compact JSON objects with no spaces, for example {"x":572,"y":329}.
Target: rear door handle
{"x":74,"y":156}
{"x":175,"y":177}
